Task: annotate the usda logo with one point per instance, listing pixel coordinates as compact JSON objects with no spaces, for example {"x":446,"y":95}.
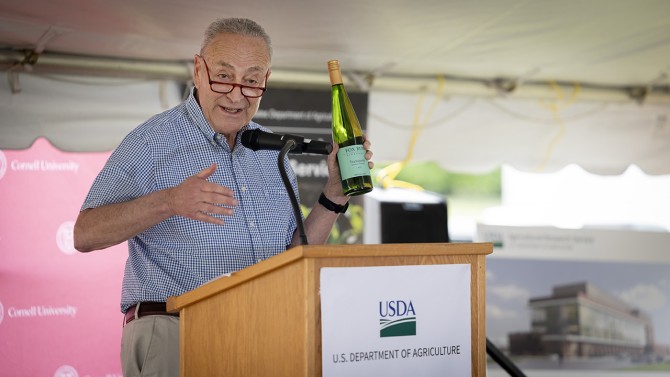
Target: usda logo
{"x":396,"y":318}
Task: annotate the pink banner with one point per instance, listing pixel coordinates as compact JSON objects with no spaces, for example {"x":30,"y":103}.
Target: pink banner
{"x":59,"y":309}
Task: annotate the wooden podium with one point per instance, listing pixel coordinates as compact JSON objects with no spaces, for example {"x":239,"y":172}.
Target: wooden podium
{"x":265,"y":320}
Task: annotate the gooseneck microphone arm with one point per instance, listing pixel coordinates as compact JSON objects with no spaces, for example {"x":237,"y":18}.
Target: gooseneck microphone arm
{"x":289,"y":144}
{"x":256,"y":139}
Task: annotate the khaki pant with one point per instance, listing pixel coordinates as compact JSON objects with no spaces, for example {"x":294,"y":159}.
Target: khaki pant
{"x":150,"y":347}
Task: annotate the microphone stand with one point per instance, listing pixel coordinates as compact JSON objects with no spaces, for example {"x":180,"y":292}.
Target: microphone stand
{"x":288,"y":145}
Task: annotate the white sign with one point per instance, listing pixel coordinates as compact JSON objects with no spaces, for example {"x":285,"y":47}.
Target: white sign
{"x":575,"y":244}
{"x":396,"y":321}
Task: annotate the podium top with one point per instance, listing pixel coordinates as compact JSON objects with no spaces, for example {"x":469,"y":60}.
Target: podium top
{"x":174,"y":304}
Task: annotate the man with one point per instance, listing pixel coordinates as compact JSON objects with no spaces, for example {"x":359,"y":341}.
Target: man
{"x":191,"y":201}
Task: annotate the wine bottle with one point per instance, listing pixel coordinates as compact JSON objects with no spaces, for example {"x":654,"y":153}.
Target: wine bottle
{"x":348,"y":135}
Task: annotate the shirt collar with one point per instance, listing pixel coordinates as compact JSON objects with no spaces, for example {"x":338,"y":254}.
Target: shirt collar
{"x":195,"y":113}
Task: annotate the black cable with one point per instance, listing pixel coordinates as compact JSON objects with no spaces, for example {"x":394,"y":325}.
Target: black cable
{"x":289,"y":144}
{"x":502,"y":360}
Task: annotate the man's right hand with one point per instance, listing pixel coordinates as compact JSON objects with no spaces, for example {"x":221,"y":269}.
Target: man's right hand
{"x":197,"y":198}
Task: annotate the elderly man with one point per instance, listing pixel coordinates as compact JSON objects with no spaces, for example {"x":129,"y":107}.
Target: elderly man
{"x":191,"y":201}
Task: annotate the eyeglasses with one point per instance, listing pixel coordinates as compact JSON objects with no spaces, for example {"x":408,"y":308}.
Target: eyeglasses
{"x":225,"y":87}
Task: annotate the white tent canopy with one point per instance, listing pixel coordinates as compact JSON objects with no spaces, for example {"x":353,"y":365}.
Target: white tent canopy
{"x":602,"y":64}
{"x":478,"y":134}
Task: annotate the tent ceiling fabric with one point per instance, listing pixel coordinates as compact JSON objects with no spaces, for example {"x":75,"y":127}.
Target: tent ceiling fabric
{"x":612,"y":44}
{"x":479,"y":134}
{"x":608,"y":42}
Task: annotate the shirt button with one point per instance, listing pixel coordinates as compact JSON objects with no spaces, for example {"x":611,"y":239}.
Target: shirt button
{"x":252,"y":224}
{"x":244,"y":188}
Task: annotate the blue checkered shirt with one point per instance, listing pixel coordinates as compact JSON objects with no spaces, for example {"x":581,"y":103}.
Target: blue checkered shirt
{"x":180,"y":254}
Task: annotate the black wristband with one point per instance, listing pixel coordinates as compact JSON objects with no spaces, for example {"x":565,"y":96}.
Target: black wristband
{"x":329,"y":205}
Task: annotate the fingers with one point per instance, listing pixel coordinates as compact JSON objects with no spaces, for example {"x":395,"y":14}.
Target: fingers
{"x":336,"y":147}
{"x":213,"y":200}
{"x":219,"y":200}
{"x":197,"y":198}
{"x":206,"y":172}
{"x":201,"y":216}
{"x":213,"y":193}
{"x":217,"y":192}
{"x":208,"y":211}
{"x":368,"y":152}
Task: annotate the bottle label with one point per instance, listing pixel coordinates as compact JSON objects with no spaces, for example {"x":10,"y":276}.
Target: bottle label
{"x":352,"y":161}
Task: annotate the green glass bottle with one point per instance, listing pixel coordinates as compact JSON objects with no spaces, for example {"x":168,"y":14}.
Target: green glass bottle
{"x":348,"y":135}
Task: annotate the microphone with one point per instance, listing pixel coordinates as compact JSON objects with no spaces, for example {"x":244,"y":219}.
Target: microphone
{"x":256,"y":139}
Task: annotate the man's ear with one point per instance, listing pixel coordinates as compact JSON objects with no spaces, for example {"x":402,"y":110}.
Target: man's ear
{"x":196,"y":71}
